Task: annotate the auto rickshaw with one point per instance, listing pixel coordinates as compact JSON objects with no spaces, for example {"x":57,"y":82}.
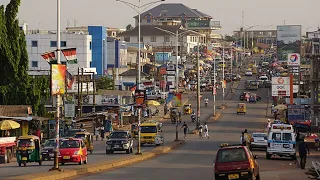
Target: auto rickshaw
{"x":187,"y":109}
{"x":28,"y":150}
{"x":241,"y":109}
{"x":87,"y":139}
{"x":134,"y":130}
{"x":175,"y":115}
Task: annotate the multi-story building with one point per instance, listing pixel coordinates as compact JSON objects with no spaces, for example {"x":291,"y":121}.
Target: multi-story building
{"x":178,"y":14}
{"x":111,"y":32}
{"x":40,"y":41}
{"x":268,"y":37}
{"x":152,"y":35}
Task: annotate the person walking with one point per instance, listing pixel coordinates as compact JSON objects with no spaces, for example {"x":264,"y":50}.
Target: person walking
{"x":206,"y":131}
{"x":200,"y":131}
{"x":303,"y":151}
{"x":185,"y":129}
{"x":268,"y":126}
{"x":242,"y":139}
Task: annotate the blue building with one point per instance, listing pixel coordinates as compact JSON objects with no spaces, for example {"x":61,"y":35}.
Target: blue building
{"x":98,"y":47}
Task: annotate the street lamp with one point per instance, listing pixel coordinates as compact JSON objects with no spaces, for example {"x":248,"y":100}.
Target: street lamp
{"x":139,"y":8}
{"x":177,"y":36}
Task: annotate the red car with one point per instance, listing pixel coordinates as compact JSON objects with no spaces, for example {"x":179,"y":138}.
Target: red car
{"x":73,"y":150}
{"x":235,"y":162}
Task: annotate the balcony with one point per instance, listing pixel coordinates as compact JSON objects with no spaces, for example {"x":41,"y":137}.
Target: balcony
{"x":203,"y":24}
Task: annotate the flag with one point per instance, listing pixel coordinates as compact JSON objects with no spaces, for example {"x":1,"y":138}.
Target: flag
{"x":70,"y":80}
{"x":50,"y":57}
{"x":70,"y":55}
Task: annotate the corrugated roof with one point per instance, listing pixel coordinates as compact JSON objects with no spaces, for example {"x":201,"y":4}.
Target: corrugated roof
{"x":151,"y":30}
{"x":132,"y":72}
{"x":15,"y":110}
{"x":174,"y":10}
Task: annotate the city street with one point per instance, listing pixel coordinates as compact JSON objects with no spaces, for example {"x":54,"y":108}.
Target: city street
{"x":195,"y":158}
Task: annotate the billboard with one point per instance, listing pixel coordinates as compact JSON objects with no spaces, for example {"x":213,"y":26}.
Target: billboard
{"x":288,"y":41}
{"x":58,"y":79}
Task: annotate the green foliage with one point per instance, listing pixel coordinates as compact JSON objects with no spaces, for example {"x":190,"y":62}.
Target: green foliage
{"x":129,"y":27}
{"x":16,"y":87}
{"x":229,"y":38}
{"x":104,"y":83}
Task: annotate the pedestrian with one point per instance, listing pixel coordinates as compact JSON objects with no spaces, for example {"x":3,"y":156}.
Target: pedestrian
{"x":268,"y":126}
{"x":185,"y":129}
{"x":275,"y":114}
{"x":242,"y":139}
{"x":102,"y":132}
{"x":200,"y":131}
{"x":206,"y":131}
{"x":303,"y":150}
{"x":272,"y":109}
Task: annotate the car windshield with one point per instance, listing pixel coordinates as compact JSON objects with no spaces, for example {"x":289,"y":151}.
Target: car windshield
{"x":148,"y":129}
{"x":69,"y":144}
{"x":286,"y":137}
{"x":260,"y":135}
{"x":116,"y":135}
{"x":79,"y":136}
{"x":232,"y":155}
{"x":25,"y":143}
{"x":49,"y":143}
{"x":71,"y":132}
{"x":263,"y":78}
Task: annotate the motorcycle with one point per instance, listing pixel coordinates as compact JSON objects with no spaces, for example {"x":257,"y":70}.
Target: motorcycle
{"x":193,"y":118}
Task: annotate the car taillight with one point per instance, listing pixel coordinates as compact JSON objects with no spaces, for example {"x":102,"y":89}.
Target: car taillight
{"x":268,"y":145}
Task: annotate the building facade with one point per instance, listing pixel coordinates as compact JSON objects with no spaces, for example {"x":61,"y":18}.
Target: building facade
{"x":39,"y":42}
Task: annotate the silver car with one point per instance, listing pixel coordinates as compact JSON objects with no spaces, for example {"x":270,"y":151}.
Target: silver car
{"x":259,"y":140}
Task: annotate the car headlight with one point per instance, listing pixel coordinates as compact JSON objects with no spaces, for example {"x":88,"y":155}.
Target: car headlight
{"x":76,"y":152}
{"x":45,"y":151}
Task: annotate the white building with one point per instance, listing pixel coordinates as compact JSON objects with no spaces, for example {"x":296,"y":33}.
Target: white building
{"x":39,"y":42}
{"x":153,"y":36}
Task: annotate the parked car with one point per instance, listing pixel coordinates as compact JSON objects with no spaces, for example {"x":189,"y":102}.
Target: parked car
{"x":73,"y":150}
{"x":259,"y":140}
{"x":119,"y":141}
{"x":47,"y":150}
{"x":235,"y":162}
{"x":248,"y":73}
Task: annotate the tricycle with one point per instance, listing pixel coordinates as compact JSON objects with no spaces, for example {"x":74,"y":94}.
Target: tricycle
{"x":28,"y":150}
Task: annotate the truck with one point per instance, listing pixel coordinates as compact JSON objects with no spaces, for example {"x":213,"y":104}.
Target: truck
{"x":7,"y":149}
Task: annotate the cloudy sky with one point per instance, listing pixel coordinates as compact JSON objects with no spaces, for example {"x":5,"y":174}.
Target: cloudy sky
{"x":41,"y":14}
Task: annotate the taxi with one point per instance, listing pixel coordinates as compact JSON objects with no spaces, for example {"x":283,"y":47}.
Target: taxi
{"x":73,"y":150}
{"x":235,"y":162}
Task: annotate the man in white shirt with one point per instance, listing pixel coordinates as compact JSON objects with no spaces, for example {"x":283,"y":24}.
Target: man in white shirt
{"x":206,"y":131}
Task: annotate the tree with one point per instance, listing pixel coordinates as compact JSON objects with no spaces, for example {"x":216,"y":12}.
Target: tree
{"x":16,"y":87}
{"x":129,"y":27}
{"x":104,"y":83}
{"x":229,"y":38}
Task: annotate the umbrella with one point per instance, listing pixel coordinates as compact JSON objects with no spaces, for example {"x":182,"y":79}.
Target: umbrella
{"x":281,"y":107}
{"x":8,"y":124}
{"x":153,"y":103}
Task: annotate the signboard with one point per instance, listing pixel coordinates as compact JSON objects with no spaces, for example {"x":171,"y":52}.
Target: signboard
{"x":296,"y":113}
{"x":58,"y":79}
{"x":163,"y":71}
{"x":171,"y":72}
{"x":288,"y":41}
{"x":171,"y":67}
{"x":280,"y":80}
{"x":109,"y":100}
{"x":293,"y":59}
{"x":140,"y":97}
{"x":198,"y":23}
{"x":171,"y":78}
{"x":69,"y":109}
{"x":280,"y":90}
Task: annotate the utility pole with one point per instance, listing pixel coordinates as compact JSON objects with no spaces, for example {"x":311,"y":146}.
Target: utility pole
{"x":223,"y":60}
{"x":214,"y":87}
{"x":79,"y":100}
{"x":81,"y":91}
{"x":198,"y":83}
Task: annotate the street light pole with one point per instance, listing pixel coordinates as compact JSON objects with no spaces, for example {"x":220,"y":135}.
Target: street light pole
{"x":177,"y":77}
{"x":214,"y":86}
{"x":198,"y":83}
{"x":56,"y":151}
{"x":223,"y":74}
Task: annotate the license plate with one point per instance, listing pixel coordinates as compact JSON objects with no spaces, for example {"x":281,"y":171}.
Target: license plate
{"x":233,"y":176}
{"x":51,"y":155}
{"x":116,"y":146}
{"x":66,"y":157}
{"x":286,"y":146}
{"x":24,"y":158}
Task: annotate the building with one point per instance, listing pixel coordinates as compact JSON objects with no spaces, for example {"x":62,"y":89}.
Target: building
{"x":99,"y":48}
{"x":268,"y":37}
{"x":151,"y":35}
{"x":40,"y":41}
{"x":110,"y":32}
{"x":172,"y":14}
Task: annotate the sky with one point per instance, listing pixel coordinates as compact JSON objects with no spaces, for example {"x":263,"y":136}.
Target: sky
{"x":41,"y":14}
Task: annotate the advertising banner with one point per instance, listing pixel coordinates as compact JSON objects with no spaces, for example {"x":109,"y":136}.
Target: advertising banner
{"x":58,"y":79}
{"x":140,"y":97}
{"x":296,"y":113}
{"x":69,"y":109}
{"x":288,"y":41}
{"x":293,"y":59}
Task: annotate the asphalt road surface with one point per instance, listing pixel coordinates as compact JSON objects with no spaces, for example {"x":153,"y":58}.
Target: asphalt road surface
{"x":194,"y":160}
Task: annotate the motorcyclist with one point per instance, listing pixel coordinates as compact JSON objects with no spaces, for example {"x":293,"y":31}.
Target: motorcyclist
{"x":206,"y":100}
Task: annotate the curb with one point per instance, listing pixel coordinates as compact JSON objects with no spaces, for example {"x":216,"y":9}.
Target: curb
{"x":102,"y":166}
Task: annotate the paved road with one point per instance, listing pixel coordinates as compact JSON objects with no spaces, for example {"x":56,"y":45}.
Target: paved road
{"x":194,"y":159}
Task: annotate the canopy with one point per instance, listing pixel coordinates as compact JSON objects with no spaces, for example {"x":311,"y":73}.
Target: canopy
{"x":8,"y":124}
{"x":281,"y":107}
{"x":153,"y":103}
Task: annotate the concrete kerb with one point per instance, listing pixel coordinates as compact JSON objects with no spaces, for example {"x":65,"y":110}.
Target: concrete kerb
{"x":102,"y":166}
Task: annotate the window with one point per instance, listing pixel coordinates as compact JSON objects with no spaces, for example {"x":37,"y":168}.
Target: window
{"x":127,"y":39}
{"x":63,"y":44}
{"x":286,"y":137}
{"x":153,"y":39}
{"x":90,"y":45}
{"x":34,"y":63}
{"x":148,"y":19}
{"x":167,"y":39}
{"x":232,"y":155}
{"x":34,"y":43}
{"x":276,"y":136}
{"x":53,"y":43}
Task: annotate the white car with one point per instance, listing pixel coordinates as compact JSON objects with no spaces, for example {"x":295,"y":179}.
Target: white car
{"x":248,"y":73}
{"x":264,"y":78}
{"x":259,"y":140}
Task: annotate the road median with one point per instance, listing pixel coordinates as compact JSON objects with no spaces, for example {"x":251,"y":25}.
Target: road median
{"x":102,"y":166}
{"x":212,"y":118}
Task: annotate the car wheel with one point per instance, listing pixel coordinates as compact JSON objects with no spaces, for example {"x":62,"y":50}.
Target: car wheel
{"x":258,"y":177}
{"x":128,"y":151}
{"x":107,"y":152}
{"x":268,"y":156}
